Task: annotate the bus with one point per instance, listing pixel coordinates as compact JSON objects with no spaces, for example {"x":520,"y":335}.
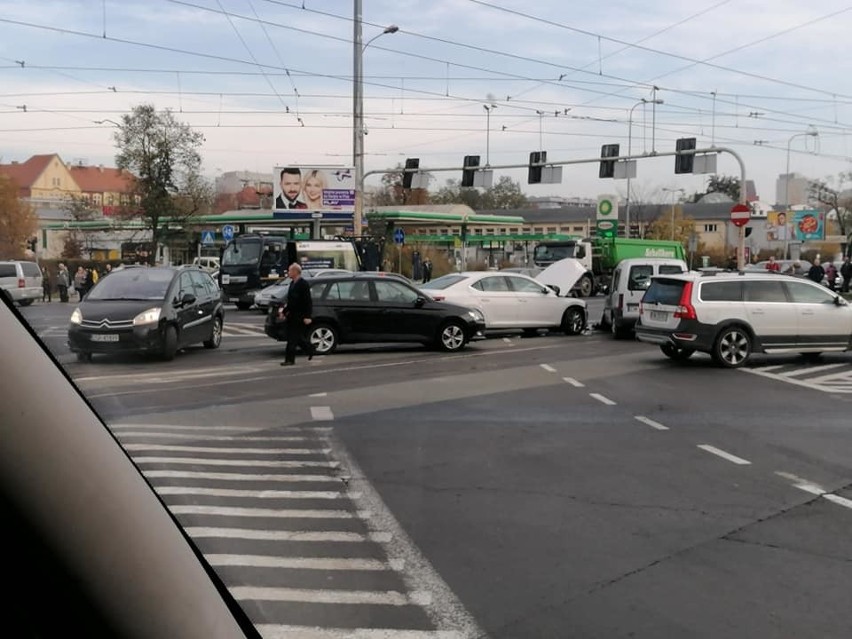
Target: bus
{"x":252,"y":261}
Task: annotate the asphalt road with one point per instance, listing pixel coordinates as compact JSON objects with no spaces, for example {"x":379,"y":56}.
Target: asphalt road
{"x":538,"y":487}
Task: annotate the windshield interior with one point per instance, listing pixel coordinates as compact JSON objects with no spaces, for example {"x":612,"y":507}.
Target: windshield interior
{"x":133,"y":283}
{"x":242,"y":253}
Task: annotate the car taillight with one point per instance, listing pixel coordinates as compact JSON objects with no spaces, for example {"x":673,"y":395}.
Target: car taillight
{"x":685,"y":310}
{"x":22,"y":283}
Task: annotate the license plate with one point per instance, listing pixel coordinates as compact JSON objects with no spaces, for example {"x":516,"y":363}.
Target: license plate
{"x":659,"y":316}
{"x":632,"y":307}
{"x":108,"y":337}
{"x":226,"y":279}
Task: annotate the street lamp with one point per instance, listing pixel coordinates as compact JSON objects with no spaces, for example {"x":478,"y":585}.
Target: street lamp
{"x":488,"y":109}
{"x":358,"y":113}
{"x":673,"y":191}
{"x":810,"y":133}
{"x":629,"y":152}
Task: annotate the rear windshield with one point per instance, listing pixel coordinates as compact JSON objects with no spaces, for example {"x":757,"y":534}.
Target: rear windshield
{"x":133,"y":284}
{"x":31,"y":269}
{"x":664,"y":291}
{"x":443,"y":282}
{"x":8,"y":270}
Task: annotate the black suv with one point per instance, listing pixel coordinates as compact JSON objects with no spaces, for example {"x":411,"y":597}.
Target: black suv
{"x":364,"y":307}
{"x":157,"y":309}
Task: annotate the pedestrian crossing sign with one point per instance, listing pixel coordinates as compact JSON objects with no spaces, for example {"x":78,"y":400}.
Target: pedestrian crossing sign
{"x":208,"y":237}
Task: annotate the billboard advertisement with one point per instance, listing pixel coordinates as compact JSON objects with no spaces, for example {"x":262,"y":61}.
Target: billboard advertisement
{"x":309,"y":188}
{"x":808,"y":225}
{"x":778,"y":227}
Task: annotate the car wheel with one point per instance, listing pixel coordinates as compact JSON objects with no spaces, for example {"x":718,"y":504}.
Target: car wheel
{"x":243,"y":306}
{"x":605,"y":323}
{"x":618,"y":331}
{"x":323,"y":338}
{"x":170,"y":344}
{"x":84,"y":356}
{"x":451,"y":337}
{"x":573,"y":321}
{"x":585,"y":286}
{"x":733,"y":347}
{"x":677,"y":353}
{"x":216,"y":335}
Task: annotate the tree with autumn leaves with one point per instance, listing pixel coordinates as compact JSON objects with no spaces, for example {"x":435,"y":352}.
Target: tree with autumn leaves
{"x":18,"y":223}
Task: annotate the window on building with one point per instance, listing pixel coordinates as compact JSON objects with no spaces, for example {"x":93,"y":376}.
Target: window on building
{"x":489,"y":231}
{"x":711,"y":228}
{"x":111,"y":199}
{"x":538,"y":230}
{"x":551,"y":229}
{"x":97,"y":199}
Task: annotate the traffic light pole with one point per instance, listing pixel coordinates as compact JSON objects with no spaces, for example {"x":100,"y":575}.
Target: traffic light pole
{"x":713,"y":149}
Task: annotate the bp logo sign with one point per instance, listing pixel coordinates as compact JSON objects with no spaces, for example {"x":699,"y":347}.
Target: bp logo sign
{"x":607,"y":217}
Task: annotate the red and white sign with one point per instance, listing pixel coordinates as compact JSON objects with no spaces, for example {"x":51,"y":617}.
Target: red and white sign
{"x":740,"y":214}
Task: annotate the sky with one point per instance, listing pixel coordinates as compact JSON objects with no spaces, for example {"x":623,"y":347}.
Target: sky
{"x":269,"y":83}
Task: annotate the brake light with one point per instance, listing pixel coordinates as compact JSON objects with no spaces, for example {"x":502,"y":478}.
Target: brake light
{"x":685,"y":310}
{"x":22,"y":283}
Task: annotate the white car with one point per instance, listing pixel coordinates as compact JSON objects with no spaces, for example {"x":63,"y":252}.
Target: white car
{"x":511,"y":301}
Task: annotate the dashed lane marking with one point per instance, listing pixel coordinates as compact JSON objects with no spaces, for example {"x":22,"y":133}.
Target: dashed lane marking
{"x":650,"y":422}
{"x":724,"y":455}
{"x":548,"y":368}
{"x":602,"y":399}
{"x":574,"y":382}
{"x":322,"y":413}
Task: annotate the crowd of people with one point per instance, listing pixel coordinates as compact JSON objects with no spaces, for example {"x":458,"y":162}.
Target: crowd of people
{"x":67,"y":284}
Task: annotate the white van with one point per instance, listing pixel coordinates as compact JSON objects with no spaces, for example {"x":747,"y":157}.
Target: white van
{"x":209,"y":264}
{"x":21,"y":280}
{"x":630,"y":280}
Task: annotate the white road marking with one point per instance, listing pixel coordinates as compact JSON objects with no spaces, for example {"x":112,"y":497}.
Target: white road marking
{"x":365,"y":597}
{"x":810,"y":369}
{"x":290,"y":513}
{"x":548,"y":368}
{"x":286,"y":535}
{"x":840,"y":501}
{"x":260,"y":494}
{"x":650,"y":422}
{"x":827,"y":388}
{"x":574,"y":382}
{"x":168,"y":427}
{"x":180,"y":474}
{"x":721,"y":453}
{"x":322,"y":413}
{"x":258,"y":463}
{"x":298,"y":563}
{"x":227,"y":451}
{"x":317,"y":394}
{"x":269,"y":631}
{"x":211,"y":438}
{"x":602,"y":399}
{"x":508,"y":341}
{"x":766,"y":369}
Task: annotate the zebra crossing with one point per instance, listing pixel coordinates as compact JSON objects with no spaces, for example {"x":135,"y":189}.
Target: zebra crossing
{"x":829,"y":377}
{"x":242,"y":329}
{"x":283,"y":518}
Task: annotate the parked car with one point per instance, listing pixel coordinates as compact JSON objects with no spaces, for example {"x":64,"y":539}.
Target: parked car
{"x":157,"y":310}
{"x":21,"y":280}
{"x":209,"y":264}
{"x":511,"y":301}
{"x":732,"y":315}
{"x":365,"y":307}
{"x":278,"y":291}
{"x":630,"y":279}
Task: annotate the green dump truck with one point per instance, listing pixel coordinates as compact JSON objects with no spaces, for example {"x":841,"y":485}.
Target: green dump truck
{"x":600,"y":255}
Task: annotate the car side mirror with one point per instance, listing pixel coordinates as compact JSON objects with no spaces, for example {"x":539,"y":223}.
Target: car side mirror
{"x":420,"y":301}
{"x":187,"y":299}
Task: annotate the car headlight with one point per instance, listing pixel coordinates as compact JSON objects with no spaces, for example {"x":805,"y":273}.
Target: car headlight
{"x":476,"y":315}
{"x":151,"y":316}
{"x":76,"y":317}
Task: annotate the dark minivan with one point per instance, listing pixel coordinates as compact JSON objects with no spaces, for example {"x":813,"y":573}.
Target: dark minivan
{"x":156,"y":310}
{"x":362,"y":307}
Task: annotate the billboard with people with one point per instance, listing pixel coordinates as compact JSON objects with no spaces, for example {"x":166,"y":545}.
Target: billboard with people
{"x":777,"y":226}
{"x":307,"y":188}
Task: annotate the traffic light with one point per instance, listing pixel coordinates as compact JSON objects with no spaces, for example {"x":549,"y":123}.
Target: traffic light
{"x":537,"y":160}
{"x":411,"y":166}
{"x":607,"y":169}
{"x":684,"y":163}
{"x":471,"y":162}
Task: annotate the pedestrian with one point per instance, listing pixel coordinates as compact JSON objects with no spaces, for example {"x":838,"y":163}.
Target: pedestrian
{"x":46,"y":288}
{"x":846,"y":273}
{"x":816,"y":273}
{"x":63,"y":282}
{"x":107,"y":268}
{"x":91,"y":278}
{"x":427,"y":270}
{"x":772,"y":265}
{"x":831,"y":276}
{"x":298,"y":315}
{"x":80,"y":282}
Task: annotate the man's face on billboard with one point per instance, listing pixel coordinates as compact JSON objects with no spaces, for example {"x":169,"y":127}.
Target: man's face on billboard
{"x":291,"y":185}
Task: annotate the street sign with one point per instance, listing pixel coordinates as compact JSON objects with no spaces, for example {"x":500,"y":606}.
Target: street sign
{"x":740,"y":214}
{"x":607,"y":216}
{"x":228,"y":232}
{"x":208,"y":237}
{"x":399,"y":236}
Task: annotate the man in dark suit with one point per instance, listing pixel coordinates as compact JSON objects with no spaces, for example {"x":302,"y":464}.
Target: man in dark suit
{"x":291,"y":189}
{"x":299,"y":311}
